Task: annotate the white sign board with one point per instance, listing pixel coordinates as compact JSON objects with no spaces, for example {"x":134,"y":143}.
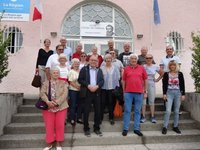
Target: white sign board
{"x":99,"y":29}
{"x":15,"y":10}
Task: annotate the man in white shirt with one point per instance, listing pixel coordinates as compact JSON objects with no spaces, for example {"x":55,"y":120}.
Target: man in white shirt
{"x":170,"y":56}
{"x":53,"y":60}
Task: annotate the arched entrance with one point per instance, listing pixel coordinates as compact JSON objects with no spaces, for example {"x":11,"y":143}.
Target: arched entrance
{"x":94,"y":23}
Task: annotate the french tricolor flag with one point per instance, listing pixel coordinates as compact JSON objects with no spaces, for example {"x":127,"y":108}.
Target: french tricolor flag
{"x":37,"y":13}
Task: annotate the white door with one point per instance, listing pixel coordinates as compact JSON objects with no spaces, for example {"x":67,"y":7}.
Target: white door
{"x":100,"y":44}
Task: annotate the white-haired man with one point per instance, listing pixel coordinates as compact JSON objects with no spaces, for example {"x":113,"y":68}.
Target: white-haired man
{"x":134,"y":83}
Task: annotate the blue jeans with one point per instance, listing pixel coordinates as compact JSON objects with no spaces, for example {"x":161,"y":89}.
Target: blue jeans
{"x":138,"y":97}
{"x":73,"y":102}
{"x":173,"y":96}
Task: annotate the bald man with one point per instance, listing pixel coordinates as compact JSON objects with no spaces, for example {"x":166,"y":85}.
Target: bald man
{"x":124,"y":56}
{"x":67,"y":49}
{"x":91,"y":78}
{"x":111,"y":48}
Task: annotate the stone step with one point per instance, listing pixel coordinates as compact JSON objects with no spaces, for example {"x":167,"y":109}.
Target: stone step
{"x":36,"y":128}
{"x":165,"y":146}
{"x":37,"y":117}
{"x":33,"y":109}
{"x":109,"y":138}
{"x":27,"y":101}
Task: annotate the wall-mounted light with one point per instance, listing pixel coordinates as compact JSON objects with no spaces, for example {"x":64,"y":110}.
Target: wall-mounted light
{"x":97,"y":21}
{"x":53,"y":34}
{"x":139,"y":36}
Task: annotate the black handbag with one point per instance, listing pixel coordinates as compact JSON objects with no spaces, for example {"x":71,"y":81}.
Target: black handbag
{"x":36,"y":81}
{"x":40,"y":104}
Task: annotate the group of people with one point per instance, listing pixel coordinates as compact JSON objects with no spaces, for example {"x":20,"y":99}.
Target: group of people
{"x":78,"y":80}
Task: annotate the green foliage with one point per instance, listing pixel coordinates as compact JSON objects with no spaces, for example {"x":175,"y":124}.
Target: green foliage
{"x":3,"y":53}
{"x":195,"y":70}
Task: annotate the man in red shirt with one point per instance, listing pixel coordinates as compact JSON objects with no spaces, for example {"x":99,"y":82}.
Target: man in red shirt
{"x":134,"y":83}
{"x":77,"y":54}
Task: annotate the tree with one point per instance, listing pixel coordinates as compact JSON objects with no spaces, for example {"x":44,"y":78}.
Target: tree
{"x":195,"y":70}
{"x":3,"y":53}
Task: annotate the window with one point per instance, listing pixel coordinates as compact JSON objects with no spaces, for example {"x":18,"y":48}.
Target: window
{"x":16,"y":39}
{"x":103,"y":13}
{"x":175,"y":39}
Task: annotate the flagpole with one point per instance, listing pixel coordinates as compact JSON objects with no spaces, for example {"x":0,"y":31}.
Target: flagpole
{"x":41,"y":32}
{"x":151,"y":26}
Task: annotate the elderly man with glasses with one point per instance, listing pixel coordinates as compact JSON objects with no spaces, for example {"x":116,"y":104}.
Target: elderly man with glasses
{"x":91,"y":79}
{"x":134,"y":83}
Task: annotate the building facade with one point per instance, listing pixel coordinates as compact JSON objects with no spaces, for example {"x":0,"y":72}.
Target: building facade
{"x":129,"y":21}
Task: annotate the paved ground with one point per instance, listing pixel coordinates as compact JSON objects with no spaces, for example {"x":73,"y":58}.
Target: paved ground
{"x":166,"y":146}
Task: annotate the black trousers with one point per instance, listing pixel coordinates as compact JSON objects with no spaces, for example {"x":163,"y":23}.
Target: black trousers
{"x":107,"y":98}
{"x":92,"y":98}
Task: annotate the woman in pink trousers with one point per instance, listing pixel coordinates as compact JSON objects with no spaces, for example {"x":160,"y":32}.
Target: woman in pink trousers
{"x":54,"y":117}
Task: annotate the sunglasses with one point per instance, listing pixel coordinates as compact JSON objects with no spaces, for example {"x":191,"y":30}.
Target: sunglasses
{"x":149,"y":58}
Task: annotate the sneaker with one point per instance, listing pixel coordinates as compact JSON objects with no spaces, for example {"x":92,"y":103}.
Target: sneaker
{"x":125,"y":132}
{"x":58,"y":148}
{"x":98,"y":132}
{"x":153,"y":120}
{"x":48,"y":148}
{"x":87,"y":133}
{"x":176,"y":129}
{"x":112,"y":122}
{"x":164,"y":130}
{"x":138,"y":132}
{"x":142,"y":120}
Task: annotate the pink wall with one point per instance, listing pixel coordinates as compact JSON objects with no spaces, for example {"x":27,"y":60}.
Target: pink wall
{"x":176,"y":15}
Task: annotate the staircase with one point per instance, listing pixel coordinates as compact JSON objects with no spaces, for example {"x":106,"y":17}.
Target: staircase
{"x":26,"y":131}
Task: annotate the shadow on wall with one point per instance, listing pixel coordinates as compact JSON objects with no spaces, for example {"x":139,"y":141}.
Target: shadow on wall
{"x":192,"y":104}
{"x":9,"y":103}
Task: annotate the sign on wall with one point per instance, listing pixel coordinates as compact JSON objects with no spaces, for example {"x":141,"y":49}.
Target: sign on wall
{"x":15,"y":10}
{"x":97,"y":29}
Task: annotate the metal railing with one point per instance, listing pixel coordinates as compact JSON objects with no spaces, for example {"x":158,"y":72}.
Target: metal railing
{"x":174,"y":38}
{"x":16,"y":39}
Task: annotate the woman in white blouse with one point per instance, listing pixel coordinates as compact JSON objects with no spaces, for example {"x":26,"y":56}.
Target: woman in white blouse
{"x":74,"y":88}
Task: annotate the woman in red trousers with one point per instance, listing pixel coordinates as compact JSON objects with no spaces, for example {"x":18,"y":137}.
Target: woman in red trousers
{"x":54,"y":93}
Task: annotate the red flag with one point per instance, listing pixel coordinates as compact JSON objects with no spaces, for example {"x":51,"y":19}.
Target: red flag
{"x":37,"y":13}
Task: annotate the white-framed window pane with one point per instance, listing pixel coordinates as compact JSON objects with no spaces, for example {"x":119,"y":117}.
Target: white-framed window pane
{"x":16,"y":39}
{"x":174,"y":38}
{"x":93,"y":12}
{"x":88,"y":48}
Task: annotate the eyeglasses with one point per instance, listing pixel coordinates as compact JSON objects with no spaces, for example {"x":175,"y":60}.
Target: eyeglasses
{"x":148,"y":57}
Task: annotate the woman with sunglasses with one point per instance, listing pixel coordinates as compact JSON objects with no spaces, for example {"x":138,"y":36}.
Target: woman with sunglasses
{"x":83,"y":61}
{"x":151,"y":70}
